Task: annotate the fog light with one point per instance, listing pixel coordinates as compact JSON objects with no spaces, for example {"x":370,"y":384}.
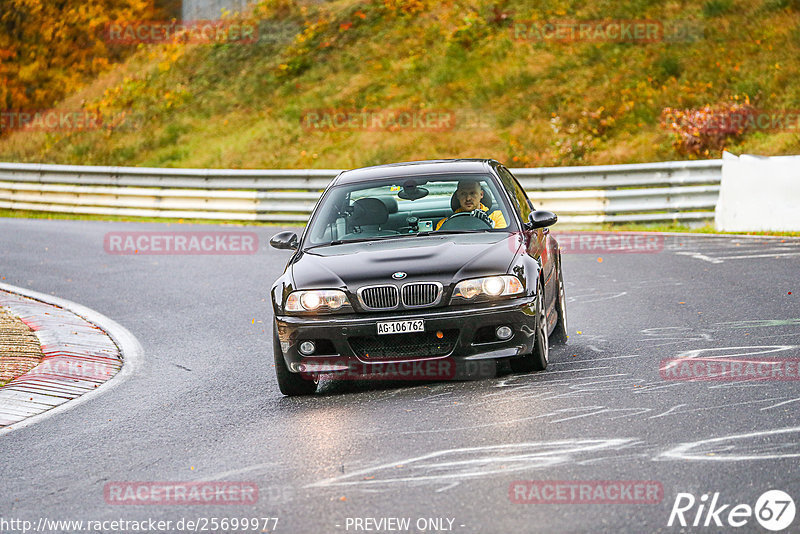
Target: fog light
{"x":307,"y":348}
{"x":504,"y":332}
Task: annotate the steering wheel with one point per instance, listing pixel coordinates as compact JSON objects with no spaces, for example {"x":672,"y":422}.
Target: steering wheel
{"x":464,"y":221}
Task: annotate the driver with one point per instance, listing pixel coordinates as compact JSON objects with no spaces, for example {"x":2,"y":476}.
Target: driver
{"x":469,"y":194}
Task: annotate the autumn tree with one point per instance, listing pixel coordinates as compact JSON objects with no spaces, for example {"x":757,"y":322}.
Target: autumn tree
{"x":49,"y":48}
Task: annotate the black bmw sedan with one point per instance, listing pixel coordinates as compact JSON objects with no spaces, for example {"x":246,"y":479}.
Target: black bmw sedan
{"x":409,"y":269}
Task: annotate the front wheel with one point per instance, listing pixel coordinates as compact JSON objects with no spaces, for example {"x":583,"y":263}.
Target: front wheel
{"x":538,"y":359}
{"x":560,"y":332}
{"x":291,"y":384}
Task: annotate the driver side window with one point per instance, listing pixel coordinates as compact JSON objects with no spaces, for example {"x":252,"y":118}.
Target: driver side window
{"x":518,"y":194}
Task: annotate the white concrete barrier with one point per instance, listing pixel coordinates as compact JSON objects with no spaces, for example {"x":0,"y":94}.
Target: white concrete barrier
{"x":759,"y":194}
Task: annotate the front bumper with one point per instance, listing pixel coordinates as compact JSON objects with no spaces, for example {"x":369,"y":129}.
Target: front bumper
{"x":336,"y":335}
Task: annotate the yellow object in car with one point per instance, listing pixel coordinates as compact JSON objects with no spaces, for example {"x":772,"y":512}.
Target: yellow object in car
{"x":496,"y":216}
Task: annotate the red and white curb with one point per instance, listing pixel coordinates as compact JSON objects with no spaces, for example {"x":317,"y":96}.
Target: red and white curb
{"x":83,"y":351}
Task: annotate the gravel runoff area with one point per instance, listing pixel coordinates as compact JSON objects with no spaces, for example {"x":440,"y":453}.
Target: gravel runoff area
{"x":20,"y":350}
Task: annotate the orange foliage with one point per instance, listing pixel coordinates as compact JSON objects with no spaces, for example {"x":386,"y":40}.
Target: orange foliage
{"x":406,"y":7}
{"x":701,"y":132}
{"x":48,"y":49}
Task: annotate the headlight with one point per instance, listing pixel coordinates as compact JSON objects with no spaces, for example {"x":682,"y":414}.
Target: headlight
{"x":325,"y":300}
{"x":491,"y":286}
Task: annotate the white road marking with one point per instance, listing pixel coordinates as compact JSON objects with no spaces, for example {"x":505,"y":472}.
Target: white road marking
{"x":448,"y":465}
{"x":577,"y":370}
{"x":668,"y":411}
{"x":748,"y":351}
{"x":236,"y":472}
{"x":603,"y":359}
{"x":780,"y":404}
{"x":719,"y":449}
{"x":588,"y":298}
{"x":602,"y":409}
{"x":699,"y":256}
{"x":704,"y":408}
{"x":759,"y":323}
{"x":755,"y":256}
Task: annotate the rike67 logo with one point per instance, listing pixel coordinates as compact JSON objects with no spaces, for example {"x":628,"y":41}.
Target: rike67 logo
{"x":774,"y":510}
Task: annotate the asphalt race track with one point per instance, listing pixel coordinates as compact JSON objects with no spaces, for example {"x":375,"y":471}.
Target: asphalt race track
{"x":204,"y":404}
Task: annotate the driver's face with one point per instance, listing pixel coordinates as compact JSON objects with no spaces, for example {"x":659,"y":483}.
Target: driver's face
{"x":469,"y":196}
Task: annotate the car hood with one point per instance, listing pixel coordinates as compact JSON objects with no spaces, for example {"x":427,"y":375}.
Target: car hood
{"x":446,"y":259}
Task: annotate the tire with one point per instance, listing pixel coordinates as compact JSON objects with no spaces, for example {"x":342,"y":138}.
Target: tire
{"x":537,"y":360}
{"x":560,"y":333}
{"x":291,"y":384}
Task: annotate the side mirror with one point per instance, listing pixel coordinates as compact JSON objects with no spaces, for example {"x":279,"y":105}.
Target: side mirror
{"x":541,"y":219}
{"x":284,"y":240}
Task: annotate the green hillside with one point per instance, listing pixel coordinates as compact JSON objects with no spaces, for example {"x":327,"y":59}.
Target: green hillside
{"x":482,"y":79}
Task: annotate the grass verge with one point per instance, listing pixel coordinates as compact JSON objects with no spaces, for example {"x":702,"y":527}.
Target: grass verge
{"x":20,"y":350}
{"x":524,"y":100}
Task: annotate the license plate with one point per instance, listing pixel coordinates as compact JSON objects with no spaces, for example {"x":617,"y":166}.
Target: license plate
{"x":401,"y":327}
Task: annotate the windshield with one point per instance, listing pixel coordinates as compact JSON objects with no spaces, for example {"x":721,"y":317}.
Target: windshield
{"x":410,"y":206}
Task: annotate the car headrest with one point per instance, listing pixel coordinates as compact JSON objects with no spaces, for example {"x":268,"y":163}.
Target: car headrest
{"x":390,"y":202}
{"x":486,"y":201}
{"x":369,"y":211}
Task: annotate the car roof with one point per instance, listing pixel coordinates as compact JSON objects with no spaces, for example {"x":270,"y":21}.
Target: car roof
{"x":416,"y":168}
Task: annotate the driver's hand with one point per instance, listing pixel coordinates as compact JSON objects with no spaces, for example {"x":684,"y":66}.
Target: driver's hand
{"x":482,"y":215}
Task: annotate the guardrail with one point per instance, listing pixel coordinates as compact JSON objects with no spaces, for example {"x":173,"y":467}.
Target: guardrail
{"x":649,"y":192}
